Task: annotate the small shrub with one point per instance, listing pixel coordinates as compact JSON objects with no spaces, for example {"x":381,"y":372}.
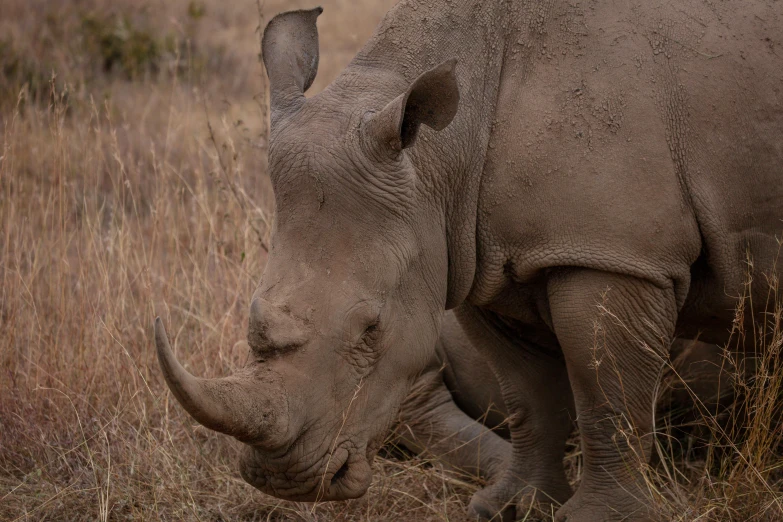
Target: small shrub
{"x":121,"y":46}
{"x":18,"y":71}
{"x":196,"y":10}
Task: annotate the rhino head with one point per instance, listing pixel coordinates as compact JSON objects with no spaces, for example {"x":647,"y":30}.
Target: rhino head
{"x":349,"y":307}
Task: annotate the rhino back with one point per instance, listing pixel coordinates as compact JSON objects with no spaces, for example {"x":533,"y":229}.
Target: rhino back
{"x":641,"y":138}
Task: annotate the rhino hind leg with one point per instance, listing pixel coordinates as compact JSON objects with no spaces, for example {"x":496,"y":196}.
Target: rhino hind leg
{"x":536,"y":392}
{"x":614,"y":331}
{"x":432,"y":425}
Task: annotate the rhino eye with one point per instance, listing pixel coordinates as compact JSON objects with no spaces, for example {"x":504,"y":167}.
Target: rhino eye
{"x":371,"y":333}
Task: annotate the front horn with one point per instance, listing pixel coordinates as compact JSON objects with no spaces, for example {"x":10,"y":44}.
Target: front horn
{"x":232,"y":405}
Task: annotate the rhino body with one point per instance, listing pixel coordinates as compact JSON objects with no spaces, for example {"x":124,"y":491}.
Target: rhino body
{"x":580,"y":182}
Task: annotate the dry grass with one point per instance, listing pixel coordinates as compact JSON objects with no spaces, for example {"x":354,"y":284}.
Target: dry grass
{"x":718,"y":449}
{"x":737,"y":473}
{"x":117,"y":204}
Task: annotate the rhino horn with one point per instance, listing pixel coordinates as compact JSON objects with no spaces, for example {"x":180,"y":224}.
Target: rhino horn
{"x":232,"y":405}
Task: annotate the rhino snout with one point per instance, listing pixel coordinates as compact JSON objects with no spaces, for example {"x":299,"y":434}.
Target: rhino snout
{"x":340,"y":473}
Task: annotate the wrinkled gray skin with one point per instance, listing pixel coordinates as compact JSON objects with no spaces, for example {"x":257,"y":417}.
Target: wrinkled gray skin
{"x":580,"y":182}
{"x":455,"y":412}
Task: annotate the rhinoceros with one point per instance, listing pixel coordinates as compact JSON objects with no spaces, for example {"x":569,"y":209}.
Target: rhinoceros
{"x":579,"y":181}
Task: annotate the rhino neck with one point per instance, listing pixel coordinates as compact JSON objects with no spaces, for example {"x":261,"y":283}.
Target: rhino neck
{"x":415,"y":36}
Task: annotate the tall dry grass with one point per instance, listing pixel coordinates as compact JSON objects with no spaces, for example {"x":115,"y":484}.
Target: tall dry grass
{"x":133,"y":184}
{"x":729,"y":466}
{"x":718,"y":438}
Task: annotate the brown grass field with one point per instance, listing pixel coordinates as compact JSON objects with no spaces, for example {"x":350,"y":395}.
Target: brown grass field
{"x":133,"y":184}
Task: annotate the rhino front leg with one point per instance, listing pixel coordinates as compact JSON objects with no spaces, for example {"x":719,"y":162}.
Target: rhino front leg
{"x":536,"y":391}
{"x":431,"y":424}
{"x":613,"y":330}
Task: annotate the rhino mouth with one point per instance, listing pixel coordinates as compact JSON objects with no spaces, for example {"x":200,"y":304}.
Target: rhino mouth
{"x":351,"y":476}
{"x":341,"y":474}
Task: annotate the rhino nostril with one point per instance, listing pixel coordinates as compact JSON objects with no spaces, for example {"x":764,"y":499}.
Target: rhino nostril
{"x":340,"y":473}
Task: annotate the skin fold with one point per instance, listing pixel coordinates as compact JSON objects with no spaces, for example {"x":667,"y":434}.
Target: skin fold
{"x":580,"y":183}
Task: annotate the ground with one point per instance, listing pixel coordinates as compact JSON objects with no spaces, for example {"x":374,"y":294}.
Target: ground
{"x":133,"y":184}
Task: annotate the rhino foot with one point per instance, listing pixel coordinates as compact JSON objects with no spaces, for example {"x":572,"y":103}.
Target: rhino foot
{"x":534,"y":504}
{"x":606,"y":506}
{"x":505,"y":501}
{"x":495,"y":503}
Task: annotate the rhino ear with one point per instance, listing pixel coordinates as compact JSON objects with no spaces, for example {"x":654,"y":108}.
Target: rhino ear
{"x":289,"y":49}
{"x":432,"y":99}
